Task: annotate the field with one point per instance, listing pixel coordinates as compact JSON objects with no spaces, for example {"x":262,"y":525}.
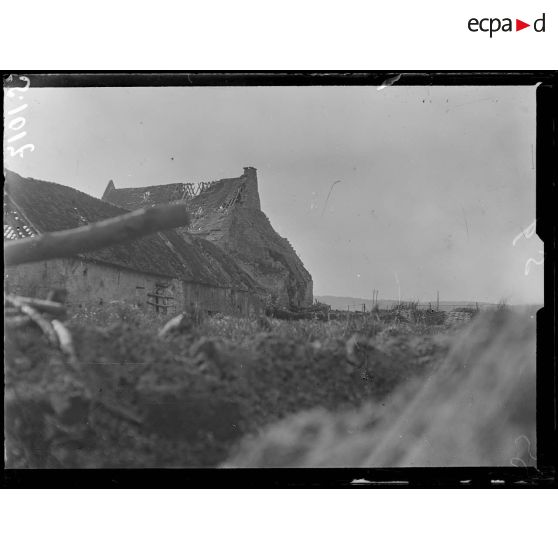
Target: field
{"x":389,"y":388}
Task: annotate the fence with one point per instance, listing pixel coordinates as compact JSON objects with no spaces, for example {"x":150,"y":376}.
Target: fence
{"x":390,"y":305}
{"x":447,"y":307}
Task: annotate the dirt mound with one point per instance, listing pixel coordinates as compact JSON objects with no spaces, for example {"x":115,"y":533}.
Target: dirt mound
{"x":135,"y":399}
{"x":477,"y":410}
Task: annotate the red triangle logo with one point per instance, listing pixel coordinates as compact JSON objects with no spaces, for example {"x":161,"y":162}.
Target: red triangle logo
{"x":519,"y":25}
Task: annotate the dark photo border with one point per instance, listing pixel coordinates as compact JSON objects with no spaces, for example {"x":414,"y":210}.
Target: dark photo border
{"x":541,"y":476}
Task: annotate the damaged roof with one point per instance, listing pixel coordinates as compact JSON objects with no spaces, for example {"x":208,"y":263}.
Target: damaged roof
{"x":214,"y":195}
{"x":49,"y":207}
{"x":228,"y":213}
{"x":134,"y":198}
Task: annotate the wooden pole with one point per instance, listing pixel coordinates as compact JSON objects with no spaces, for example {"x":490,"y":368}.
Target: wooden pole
{"x":124,"y":228}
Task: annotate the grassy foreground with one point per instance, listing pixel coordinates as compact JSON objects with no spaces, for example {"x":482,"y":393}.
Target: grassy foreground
{"x":265,"y":392}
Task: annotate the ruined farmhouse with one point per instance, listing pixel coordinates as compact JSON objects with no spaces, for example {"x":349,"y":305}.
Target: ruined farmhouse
{"x":166,"y":271}
{"x":229,"y":260}
{"x":228,"y":213}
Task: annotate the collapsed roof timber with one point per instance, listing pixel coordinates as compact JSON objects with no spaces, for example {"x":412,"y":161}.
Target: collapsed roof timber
{"x":230,"y":244}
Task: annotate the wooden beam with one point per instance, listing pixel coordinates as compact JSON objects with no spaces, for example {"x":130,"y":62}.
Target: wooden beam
{"x":94,"y":236}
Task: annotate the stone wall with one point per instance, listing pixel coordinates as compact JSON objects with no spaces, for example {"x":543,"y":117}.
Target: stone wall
{"x":223,"y":300}
{"x":88,"y":282}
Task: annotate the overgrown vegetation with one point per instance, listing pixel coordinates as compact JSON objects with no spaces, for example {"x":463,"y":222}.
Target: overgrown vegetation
{"x":135,"y":398}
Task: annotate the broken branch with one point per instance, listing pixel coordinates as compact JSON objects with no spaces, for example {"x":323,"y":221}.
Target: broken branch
{"x":46,"y":306}
{"x":43,"y":323}
{"x":124,"y":228}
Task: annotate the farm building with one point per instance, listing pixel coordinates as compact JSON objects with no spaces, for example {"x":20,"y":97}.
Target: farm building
{"x":165,"y":272}
{"x":228,"y":213}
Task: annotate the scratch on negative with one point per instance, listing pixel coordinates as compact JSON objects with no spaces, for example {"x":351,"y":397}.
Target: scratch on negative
{"x":466,"y":224}
{"x":329,"y":194}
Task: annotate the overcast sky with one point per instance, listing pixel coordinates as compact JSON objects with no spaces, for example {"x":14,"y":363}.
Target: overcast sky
{"x":432,"y":184}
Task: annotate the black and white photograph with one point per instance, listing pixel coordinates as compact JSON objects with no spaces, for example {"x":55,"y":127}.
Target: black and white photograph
{"x":255,"y":276}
